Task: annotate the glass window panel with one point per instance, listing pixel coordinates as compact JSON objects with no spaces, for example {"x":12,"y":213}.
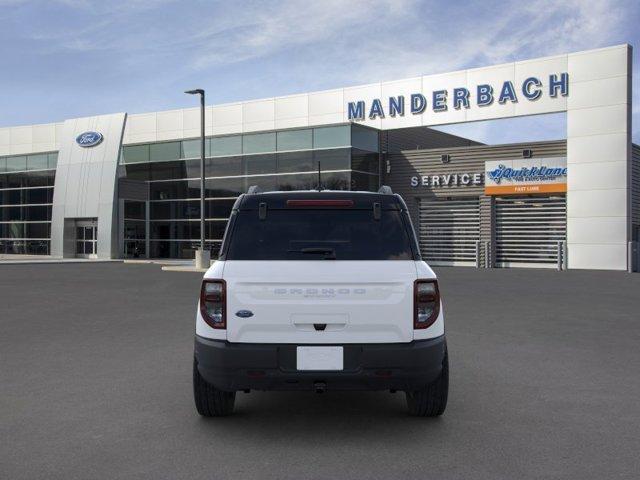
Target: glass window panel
{"x":175,"y":190}
{"x":225,"y":187}
{"x":3,"y":165}
{"x":168,"y":170}
{"x":257,"y":164}
{"x":178,"y":230}
{"x":165,"y":249}
{"x":259,"y":143}
{"x":218,"y":208}
{"x":13,"y":197}
{"x":39,"y":179}
{"x":16,"y":164}
{"x":38,"y":162}
{"x":135,"y":153}
{"x":295,"y":140}
{"x":79,"y":233}
{"x":134,"y":249}
{"x":364,"y":161}
{"x":15,"y":180}
{"x":266,"y":184}
{"x":364,"y":182}
{"x":192,"y":168}
{"x":16,"y":230}
{"x":224,"y":146}
{"x":298,"y":182}
{"x":178,"y":210}
{"x":52,"y":160}
{"x":328,"y":137}
{"x":11,"y":213}
{"x":134,"y":229}
{"x":223,"y":166}
{"x":338,"y":159}
{"x":159,"y":152}
{"x":34,"y":213}
{"x":295,"y":162}
{"x":191,"y":148}
{"x":16,"y":247}
{"x":37,"y":213}
{"x":138,"y":171}
{"x":38,"y":195}
{"x":134,"y":209}
{"x":38,"y":230}
{"x":38,"y":247}
{"x":214,"y":229}
{"x":364,"y":138}
{"x":336,"y":181}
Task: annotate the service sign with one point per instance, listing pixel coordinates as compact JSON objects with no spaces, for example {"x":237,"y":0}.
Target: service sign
{"x":524,"y":176}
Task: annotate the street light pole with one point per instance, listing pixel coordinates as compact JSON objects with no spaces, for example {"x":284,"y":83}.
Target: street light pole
{"x":203,"y":257}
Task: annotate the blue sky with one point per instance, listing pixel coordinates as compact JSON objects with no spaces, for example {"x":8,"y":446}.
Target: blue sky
{"x":71,"y":58}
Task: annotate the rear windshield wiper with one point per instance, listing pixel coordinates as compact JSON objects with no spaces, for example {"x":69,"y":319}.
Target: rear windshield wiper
{"x":330,"y":253}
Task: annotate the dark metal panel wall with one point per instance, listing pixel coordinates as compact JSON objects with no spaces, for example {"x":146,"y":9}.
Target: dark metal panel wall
{"x":417,"y":163}
{"x":418,"y":138}
{"x":635,"y":187}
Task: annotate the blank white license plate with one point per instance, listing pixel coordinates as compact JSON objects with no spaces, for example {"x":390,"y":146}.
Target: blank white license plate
{"x":320,"y":358}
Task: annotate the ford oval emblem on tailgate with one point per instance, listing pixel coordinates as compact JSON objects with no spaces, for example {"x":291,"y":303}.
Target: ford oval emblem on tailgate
{"x":244,"y":313}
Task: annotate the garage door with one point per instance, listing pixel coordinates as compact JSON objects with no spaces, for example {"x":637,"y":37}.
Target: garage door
{"x":449,"y":230}
{"x":528,"y":230}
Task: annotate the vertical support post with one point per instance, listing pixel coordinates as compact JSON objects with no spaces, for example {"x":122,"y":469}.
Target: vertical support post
{"x":478,"y":254}
{"x":631,"y":255}
{"x":487,"y":255}
{"x":147,"y":229}
{"x":202,"y":154}
{"x":120,"y":228}
{"x":559,"y":254}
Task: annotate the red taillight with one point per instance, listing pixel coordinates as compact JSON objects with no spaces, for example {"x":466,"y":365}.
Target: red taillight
{"x":426,"y":303}
{"x":213,"y":303}
{"x":319,"y":203}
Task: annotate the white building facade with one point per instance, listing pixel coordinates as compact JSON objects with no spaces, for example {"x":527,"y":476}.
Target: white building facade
{"x":129,"y":187}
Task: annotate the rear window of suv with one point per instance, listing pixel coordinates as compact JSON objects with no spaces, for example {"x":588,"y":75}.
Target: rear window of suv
{"x":331,"y":234}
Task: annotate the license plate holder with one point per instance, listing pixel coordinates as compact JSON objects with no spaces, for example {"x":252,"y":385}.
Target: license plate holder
{"x":320,"y":358}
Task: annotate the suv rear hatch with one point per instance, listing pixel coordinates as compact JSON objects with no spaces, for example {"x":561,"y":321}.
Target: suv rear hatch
{"x":317,"y":272}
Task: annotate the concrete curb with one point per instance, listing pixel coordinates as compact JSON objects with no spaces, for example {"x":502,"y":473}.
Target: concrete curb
{"x":182,"y":268}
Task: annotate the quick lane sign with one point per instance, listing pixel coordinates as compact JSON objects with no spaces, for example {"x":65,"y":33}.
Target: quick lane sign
{"x":534,"y":175}
{"x":482,"y":95}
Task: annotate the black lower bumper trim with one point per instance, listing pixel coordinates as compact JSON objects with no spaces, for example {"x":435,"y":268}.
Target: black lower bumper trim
{"x":389,"y":366}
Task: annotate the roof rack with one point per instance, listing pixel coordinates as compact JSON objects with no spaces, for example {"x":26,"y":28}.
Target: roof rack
{"x":254,"y":189}
{"x":385,"y":190}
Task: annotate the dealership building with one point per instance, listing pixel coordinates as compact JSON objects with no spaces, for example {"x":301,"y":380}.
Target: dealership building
{"x":128,"y":185}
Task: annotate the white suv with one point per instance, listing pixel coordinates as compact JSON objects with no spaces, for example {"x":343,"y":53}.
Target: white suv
{"x":320,"y":291}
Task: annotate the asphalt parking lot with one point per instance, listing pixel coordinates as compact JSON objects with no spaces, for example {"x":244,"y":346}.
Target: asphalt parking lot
{"x":95,"y":375}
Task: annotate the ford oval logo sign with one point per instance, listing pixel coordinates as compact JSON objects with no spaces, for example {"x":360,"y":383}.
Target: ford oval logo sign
{"x":89,"y":139}
{"x":244,"y":313}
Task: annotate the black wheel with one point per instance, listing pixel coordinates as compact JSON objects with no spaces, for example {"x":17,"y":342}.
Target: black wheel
{"x":432,"y":401}
{"x":211,"y":402}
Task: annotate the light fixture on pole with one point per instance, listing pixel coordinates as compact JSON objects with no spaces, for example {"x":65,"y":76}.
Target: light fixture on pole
{"x":203,"y":256}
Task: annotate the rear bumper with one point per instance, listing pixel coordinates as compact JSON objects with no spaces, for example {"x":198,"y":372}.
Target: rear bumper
{"x":395,"y":366}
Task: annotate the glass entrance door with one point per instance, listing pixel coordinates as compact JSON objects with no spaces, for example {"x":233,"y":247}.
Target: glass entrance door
{"x":87,"y":239}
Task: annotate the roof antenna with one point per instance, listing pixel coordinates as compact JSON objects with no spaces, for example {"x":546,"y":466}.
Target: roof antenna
{"x":319,"y":178}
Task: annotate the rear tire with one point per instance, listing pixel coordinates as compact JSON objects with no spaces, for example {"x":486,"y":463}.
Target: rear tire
{"x":211,"y":402}
{"x":432,"y":401}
